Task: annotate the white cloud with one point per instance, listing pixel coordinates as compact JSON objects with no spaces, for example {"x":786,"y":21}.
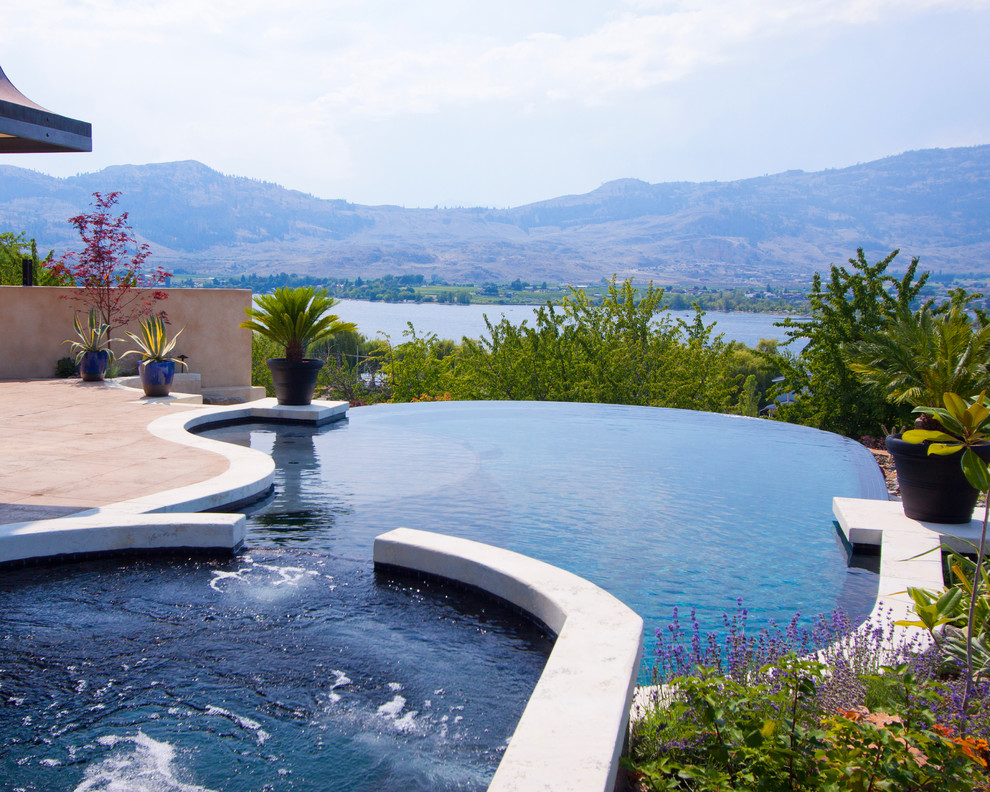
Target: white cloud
{"x":294,"y":92}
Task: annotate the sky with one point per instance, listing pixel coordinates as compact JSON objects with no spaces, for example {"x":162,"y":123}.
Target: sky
{"x":477,"y":103}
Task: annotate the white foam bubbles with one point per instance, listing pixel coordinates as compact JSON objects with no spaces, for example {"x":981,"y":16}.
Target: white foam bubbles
{"x":142,"y":764}
{"x":263,"y":581}
{"x":392,"y":710}
{"x":220,"y":576}
{"x":245,"y":723}
{"x":289,"y":575}
{"x":340,"y":679}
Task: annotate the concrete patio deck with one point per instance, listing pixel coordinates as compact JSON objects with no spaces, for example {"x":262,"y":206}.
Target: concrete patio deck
{"x":67,"y":446}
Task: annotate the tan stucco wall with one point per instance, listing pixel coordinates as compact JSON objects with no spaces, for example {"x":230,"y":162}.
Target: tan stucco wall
{"x":34,"y":320}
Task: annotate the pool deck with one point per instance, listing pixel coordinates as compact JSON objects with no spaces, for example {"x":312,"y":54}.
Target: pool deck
{"x":910,"y":550}
{"x":69,"y":446}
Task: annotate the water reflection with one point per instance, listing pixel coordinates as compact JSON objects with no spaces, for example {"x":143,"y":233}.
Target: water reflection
{"x":298,"y":512}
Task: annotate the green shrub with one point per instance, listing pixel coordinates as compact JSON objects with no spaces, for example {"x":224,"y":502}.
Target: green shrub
{"x":772,"y":733}
{"x":65,"y":367}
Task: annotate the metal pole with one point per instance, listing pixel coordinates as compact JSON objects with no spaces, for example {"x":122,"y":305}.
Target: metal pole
{"x":27,"y":272}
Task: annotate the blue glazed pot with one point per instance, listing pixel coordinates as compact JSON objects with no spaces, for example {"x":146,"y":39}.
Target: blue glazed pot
{"x":156,"y":376}
{"x":93,"y":365}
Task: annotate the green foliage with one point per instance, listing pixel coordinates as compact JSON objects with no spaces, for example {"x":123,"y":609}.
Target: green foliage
{"x":350,"y":368}
{"x":853,"y":305}
{"x":14,"y":248}
{"x":966,"y":423}
{"x":967,"y":426}
{"x":153,"y":342}
{"x":958,"y":618}
{"x":294,"y":318}
{"x":749,"y":398}
{"x":261,"y":350}
{"x":773,"y":733}
{"x":921,"y":355}
{"x":424,"y":365}
{"x":622,"y":350}
{"x":65,"y":367}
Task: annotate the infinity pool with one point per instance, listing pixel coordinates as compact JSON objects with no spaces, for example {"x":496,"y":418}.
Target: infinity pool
{"x":294,"y":666}
{"x":660,"y":507}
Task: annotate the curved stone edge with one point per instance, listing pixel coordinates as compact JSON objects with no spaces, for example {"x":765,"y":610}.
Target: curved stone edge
{"x":166,"y":520}
{"x":94,"y":534}
{"x":250,"y":473}
{"x":573,"y":729}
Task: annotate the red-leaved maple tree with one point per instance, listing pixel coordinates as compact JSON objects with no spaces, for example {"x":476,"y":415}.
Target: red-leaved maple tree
{"x":109,"y":272}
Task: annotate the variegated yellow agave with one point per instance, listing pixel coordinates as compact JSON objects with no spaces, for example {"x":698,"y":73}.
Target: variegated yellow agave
{"x":154,"y":343}
{"x":91,"y":337}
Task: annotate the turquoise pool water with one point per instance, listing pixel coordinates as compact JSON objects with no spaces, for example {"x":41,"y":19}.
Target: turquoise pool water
{"x":660,"y":507}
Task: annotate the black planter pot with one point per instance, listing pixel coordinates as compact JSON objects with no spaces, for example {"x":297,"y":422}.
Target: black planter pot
{"x":93,"y":366}
{"x":295,"y":382}
{"x":156,"y":376}
{"x":933,"y":488}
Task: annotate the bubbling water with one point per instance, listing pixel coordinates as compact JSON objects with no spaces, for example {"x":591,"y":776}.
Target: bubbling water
{"x":272,"y":670}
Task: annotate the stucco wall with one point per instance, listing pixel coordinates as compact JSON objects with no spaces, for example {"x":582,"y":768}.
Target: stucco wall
{"x":34,"y":320}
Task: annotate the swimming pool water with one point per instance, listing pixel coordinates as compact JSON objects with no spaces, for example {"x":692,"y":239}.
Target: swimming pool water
{"x":277,"y":670}
{"x":660,"y":507}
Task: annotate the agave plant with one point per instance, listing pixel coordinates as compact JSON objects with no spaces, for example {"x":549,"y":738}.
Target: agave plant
{"x":92,"y":338}
{"x":295,"y":319}
{"x":154,"y":343}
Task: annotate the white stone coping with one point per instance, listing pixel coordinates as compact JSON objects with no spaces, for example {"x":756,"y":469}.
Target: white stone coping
{"x":250,"y":473}
{"x":100,"y":533}
{"x":164,"y":519}
{"x":181,"y":383}
{"x":187,"y":389}
{"x":910,"y":552}
{"x":573,"y":730}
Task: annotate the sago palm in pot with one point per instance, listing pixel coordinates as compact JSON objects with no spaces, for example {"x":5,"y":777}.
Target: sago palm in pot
{"x":294,"y":319}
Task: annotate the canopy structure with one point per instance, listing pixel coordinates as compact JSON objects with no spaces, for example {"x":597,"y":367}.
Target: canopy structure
{"x":29,"y":128}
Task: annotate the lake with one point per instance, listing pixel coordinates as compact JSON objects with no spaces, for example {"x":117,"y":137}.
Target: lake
{"x":456,"y":321}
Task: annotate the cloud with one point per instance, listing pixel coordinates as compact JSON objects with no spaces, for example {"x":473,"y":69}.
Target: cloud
{"x":647,"y":45}
{"x":319,"y":95}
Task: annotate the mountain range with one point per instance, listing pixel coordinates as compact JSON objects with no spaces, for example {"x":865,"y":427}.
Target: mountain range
{"x":776,"y":228}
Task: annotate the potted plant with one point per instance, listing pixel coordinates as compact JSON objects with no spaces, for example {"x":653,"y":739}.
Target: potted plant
{"x":933,"y":475}
{"x":294,"y":319}
{"x":93,"y":353}
{"x":926,"y":357}
{"x":156,"y":368}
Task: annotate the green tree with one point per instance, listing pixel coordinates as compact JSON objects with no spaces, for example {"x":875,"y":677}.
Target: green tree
{"x":749,"y":398}
{"x":852,"y":305}
{"x":423,"y":365}
{"x":620,"y":350}
{"x":760,"y":364}
{"x":14,"y":248}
